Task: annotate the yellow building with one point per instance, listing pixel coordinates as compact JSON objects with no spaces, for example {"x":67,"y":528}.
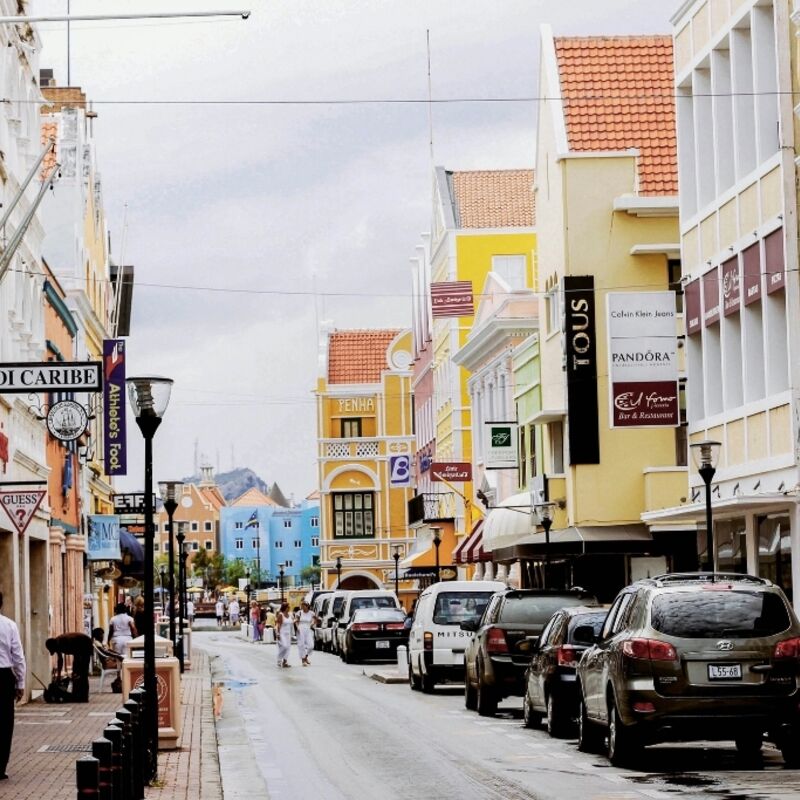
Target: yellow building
{"x":482,"y":223}
{"x":365,"y":440}
{"x":607,"y":223}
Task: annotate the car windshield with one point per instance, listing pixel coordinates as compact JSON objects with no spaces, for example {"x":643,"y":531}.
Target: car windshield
{"x":452,"y":608}
{"x":379,"y":615}
{"x":595,"y":620}
{"x":372,"y":602}
{"x":712,"y":614}
{"x":536,"y":608}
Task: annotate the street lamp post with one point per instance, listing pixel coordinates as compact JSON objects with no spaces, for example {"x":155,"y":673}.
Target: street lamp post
{"x":437,"y":540}
{"x":338,"y":571}
{"x":182,"y":553}
{"x":169,"y":491}
{"x":258,"y":557}
{"x":149,"y":398}
{"x":248,"y":590}
{"x":396,"y":557}
{"x":281,"y":573}
{"x":162,"y":574}
{"x":545,"y":513}
{"x":705,"y":455}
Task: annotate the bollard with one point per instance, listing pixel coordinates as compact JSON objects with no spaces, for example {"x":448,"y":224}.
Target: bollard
{"x":101,"y":750}
{"x":402,"y":659}
{"x":139,"y":745}
{"x":87,"y":777}
{"x":124,"y":716}
{"x":124,"y":792}
{"x":114,"y":735}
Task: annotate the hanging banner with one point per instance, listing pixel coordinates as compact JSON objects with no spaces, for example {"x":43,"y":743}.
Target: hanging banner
{"x":774,"y":261}
{"x":103,"y":540}
{"x":691,"y":299}
{"x":50,"y":376}
{"x":751,"y":261}
{"x":731,"y":295}
{"x":643,"y":359}
{"x":580,"y":351}
{"x":114,"y":449}
{"x":20,"y":505}
{"x":500,"y":445}
{"x":452,"y":299}
{"x":711,"y":302}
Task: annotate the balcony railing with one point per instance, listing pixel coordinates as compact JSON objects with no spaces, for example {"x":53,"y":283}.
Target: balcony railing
{"x":429,"y":507}
{"x":353,"y":448}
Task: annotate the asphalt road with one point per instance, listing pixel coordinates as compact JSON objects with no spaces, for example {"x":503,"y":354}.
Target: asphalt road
{"x":329,"y":732}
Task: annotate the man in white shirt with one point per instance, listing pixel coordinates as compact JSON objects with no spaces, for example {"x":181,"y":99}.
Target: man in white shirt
{"x":219,"y":608}
{"x":12,"y":683}
{"x":233,"y":610}
{"x":190,"y":611}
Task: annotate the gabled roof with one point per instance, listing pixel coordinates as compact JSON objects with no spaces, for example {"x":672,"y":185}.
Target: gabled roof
{"x":277,"y":495}
{"x":213,"y":495}
{"x":493,"y":198}
{"x":358,"y":356}
{"x":253,"y":497}
{"x":618,"y":94}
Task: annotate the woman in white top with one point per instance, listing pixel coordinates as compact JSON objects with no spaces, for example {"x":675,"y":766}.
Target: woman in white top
{"x":305,"y":634}
{"x":120,"y":629}
{"x":285,"y":625}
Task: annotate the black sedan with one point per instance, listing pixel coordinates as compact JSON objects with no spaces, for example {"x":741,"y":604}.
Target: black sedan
{"x":374,"y":633}
{"x":550,"y":681}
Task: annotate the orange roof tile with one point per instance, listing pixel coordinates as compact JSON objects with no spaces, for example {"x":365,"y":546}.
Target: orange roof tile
{"x":500,"y":198}
{"x":618,"y":94}
{"x":253,"y":497}
{"x":213,"y":495}
{"x":49,"y":131}
{"x":358,"y":356}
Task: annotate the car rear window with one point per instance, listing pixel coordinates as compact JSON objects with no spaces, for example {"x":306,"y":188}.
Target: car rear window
{"x":378,"y":615}
{"x":452,"y":608}
{"x":338,"y":602}
{"x":595,"y":619}
{"x":372,"y":602}
{"x":536,"y":608}
{"x":712,"y":614}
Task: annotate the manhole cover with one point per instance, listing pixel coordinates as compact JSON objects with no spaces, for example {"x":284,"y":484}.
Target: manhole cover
{"x":65,"y":748}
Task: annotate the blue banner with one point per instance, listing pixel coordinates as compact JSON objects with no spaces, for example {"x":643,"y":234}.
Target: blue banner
{"x":104,"y":538}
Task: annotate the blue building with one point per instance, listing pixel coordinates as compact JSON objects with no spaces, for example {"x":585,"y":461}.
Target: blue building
{"x":266,"y":536}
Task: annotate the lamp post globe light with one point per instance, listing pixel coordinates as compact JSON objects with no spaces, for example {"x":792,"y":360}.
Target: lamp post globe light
{"x":149,"y":398}
{"x":706,"y":455}
{"x":182,"y":553}
{"x":396,"y":557}
{"x":281,"y":573}
{"x":544,"y":512}
{"x":169,"y":491}
{"x":437,"y":540}
{"x":338,"y":571}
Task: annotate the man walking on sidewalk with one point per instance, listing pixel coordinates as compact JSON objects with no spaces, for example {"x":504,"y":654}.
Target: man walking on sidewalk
{"x":12,"y":683}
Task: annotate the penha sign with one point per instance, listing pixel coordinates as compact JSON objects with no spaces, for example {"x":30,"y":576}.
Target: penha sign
{"x":50,"y":376}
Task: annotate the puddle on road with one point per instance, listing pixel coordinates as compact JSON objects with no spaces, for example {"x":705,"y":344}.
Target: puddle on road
{"x":238,"y":683}
{"x":675,"y":782}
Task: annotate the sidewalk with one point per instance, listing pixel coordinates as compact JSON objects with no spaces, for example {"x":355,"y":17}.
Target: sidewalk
{"x":49,"y":738}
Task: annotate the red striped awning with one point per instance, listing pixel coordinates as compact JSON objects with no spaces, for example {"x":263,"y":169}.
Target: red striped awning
{"x":466,"y":552}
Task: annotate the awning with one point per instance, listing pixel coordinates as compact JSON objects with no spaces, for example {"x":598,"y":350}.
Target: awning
{"x":132,"y":561}
{"x":547,"y":415}
{"x":508,"y":522}
{"x":471,"y":548}
{"x":721,"y":508}
{"x":420,"y":558}
{"x":583,"y":540}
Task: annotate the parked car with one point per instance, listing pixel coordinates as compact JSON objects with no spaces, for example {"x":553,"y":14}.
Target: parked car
{"x":320,"y":609}
{"x":312,"y":595}
{"x":693,"y":656}
{"x":329,"y":618}
{"x":356,"y":599}
{"x":374,"y":633}
{"x":550,"y":680}
{"x":436,"y":642}
{"x":500,"y":649}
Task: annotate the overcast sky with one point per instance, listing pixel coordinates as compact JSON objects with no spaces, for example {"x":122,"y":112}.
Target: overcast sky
{"x":253,"y":205}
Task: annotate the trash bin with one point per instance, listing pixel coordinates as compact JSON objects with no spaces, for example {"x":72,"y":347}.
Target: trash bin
{"x":168,"y":683}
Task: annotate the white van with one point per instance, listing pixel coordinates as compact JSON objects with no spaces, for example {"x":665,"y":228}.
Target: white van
{"x":436,"y":643}
{"x":329,"y":617}
{"x":356,"y":599}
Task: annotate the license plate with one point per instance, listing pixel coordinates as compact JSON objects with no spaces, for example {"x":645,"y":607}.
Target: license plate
{"x":724,"y":672}
{"x":382,"y":645}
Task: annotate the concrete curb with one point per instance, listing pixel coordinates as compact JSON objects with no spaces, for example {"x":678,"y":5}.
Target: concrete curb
{"x":210,"y":770}
{"x":387,"y":676}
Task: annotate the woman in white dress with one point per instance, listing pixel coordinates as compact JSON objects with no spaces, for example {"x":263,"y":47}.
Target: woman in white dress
{"x":120,"y":629}
{"x":305,"y":634}
{"x":285,"y":625}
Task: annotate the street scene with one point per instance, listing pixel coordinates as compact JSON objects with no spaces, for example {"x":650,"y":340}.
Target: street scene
{"x":399,"y":399}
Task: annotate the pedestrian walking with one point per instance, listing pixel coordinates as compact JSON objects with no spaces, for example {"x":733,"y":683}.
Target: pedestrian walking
{"x":269,"y":626}
{"x":286,"y":627}
{"x":305,"y":633}
{"x":121,"y":629}
{"x":255,"y":621}
{"x":140,"y":620}
{"x":219,"y":610}
{"x":190,"y":611}
{"x":12,"y":683}
{"x":233,"y":610}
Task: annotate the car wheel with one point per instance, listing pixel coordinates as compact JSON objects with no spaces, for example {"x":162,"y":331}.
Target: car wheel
{"x":748,"y":747}
{"x":413,"y":680}
{"x":790,"y":750}
{"x":556,"y":724}
{"x":317,"y":644}
{"x":530,"y":718}
{"x":470,"y":695}
{"x":487,"y":700}
{"x":427,"y":682}
{"x":347,"y":656}
{"x":588,"y":733}
{"x":622,"y":744}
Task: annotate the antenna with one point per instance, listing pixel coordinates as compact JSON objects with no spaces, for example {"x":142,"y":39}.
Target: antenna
{"x":196,"y":461}
{"x":430,"y":96}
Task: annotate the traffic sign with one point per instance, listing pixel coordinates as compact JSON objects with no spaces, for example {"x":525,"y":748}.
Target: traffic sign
{"x":20,"y":505}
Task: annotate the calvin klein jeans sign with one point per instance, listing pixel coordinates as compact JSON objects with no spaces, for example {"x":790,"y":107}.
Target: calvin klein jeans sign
{"x":580,"y":349}
{"x":51,"y":376}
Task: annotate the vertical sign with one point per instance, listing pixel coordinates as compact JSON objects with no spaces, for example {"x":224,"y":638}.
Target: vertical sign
{"x":114,"y":407}
{"x":581,"y":365}
{"x":501,"y":445}
{"x":691,"y":298}
{"x":711,"y":297}
{"x":751,"y":260}
{"x":399,"y":471}
{"x":731,"y":295}
{"x":103,"y":539}
{"x":773,"y":261}
{"x":643,"y":359}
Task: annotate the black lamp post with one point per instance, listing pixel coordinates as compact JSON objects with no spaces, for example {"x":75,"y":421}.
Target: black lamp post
{"x":182,"y":553}
{"x":258,"y":556}
{"x":149,"y":397}
{"x":396,"y":557}
{"x":247,"y":589}
{"x":162,"y":574}
{"x":437,"y":540}
{"x":281,"y":573}
{"x":338,"y":571}
{"x":545,"y":513}
{"x":169,"y":491}
{"x":705,"y":455}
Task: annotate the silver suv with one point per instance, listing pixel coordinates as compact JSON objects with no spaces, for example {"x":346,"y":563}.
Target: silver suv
{"x":692,"y":657}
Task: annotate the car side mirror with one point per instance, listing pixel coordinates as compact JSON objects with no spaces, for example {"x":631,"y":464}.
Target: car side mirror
{"x":469,"y":625}
{"x":584,"y":634}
